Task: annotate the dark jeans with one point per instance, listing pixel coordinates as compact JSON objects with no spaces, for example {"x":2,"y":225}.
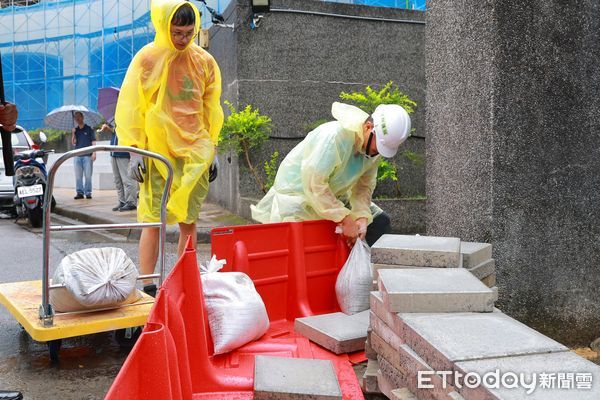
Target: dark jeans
{"x":380,"y":226}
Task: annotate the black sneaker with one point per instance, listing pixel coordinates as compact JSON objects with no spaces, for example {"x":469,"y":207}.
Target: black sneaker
{"x":118,"y":207}
{"x":88,"y":196}
{"x":150,"y":289}
{"x":78,"y":196}
{"x":128,"y":207}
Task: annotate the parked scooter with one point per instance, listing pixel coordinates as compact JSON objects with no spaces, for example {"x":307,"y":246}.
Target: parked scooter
{"x":30,"y":184}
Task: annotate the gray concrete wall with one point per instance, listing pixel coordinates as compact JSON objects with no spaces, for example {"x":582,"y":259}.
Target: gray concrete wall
{"x":513,"y":127}
{"x":294,"y":66}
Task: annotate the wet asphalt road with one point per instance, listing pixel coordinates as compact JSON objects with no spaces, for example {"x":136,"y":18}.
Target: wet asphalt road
{"x":87,"y":364}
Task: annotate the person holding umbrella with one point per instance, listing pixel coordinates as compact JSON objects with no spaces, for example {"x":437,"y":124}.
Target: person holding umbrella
{"x":73,"y":118}
{"x":83,"y":136}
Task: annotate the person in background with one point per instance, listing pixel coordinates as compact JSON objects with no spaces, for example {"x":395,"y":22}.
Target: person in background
{"x":127,"y":187}
{"x":83,"y":136}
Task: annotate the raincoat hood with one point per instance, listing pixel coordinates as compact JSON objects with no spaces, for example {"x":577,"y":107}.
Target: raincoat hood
{"x":162,"y":12}
{"x":351,"y":118}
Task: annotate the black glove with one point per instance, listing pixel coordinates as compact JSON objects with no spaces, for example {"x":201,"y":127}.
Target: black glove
{"x":137,"y":167}
{"x":213,"y":170}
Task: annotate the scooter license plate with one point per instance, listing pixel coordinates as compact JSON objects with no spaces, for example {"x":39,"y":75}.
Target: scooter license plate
{"x":28,"y":191}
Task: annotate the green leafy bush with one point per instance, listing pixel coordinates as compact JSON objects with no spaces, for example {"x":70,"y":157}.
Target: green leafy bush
{"x":369,"y":99}
{"x":243,"y":131}
{"x":387,"y":170}
{"x":271,"y":169}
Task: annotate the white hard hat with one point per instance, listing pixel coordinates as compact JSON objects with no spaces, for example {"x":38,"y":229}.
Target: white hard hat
{"x":392,"y":127}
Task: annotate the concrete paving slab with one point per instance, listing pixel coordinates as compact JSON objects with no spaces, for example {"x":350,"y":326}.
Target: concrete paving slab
{"x":445,"y":339}
{"x":369,"y":352}
{"x":489,"y":281}
{"x":402,"y":394}
{"x":556,"y":376}
{"x":369,"y":380}
{"x":385,"y":386}
{"x":408,"y":363}
{"x":418,"y":251}
{"x":337,"y":332}
{"x":387,"y":351}
{"x":395,"y":378}
{"x":378,"y":308}
{"x":434,"y":290}
{"x":385,"y":332}
{"x":279,"y":378}
{"x":484,"y":269}
{"x":376,"y":267}
{"x":475,"y":253}
{"x":398,"y":378}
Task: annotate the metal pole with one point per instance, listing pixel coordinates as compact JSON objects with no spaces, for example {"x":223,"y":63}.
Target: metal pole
{"x":7,"y":152}
{"x":2,"y":98}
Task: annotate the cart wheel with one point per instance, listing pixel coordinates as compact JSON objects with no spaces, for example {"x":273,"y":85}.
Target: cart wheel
{"x":54,"y":348}
{"x":128,"y":336}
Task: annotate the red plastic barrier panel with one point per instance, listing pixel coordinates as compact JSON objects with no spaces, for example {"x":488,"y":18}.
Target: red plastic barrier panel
{"x":293,"y":266}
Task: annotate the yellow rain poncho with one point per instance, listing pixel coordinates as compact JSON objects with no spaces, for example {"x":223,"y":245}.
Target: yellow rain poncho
{"x":326,"y":176}
{"x":170,"y":104}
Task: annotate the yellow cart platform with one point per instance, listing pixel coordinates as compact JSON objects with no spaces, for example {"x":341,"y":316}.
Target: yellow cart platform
{"x":23,"y":299}
{"x":29,"y":302}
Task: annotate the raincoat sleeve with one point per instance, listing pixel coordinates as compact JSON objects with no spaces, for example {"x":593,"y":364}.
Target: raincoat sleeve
{"x":130,"y":114}
{"x":360,"y":198}
{"x":213,"y":112}
{"x":321,"y":158}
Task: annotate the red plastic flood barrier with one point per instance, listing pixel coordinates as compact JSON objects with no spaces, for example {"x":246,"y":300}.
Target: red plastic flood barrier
{"x":293,"y":266}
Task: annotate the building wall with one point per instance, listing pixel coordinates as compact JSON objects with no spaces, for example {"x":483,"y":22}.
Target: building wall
{"x":513,"y":127}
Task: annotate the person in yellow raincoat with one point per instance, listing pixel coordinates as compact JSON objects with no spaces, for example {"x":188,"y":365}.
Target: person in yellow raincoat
{"x":170,"y":104}
{"x":332,"y":173}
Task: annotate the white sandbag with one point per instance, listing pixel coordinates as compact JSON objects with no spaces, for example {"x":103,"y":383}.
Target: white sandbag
{"x":236,"y":312}
{"x":355,"y":281}
{"x":94,"y":278}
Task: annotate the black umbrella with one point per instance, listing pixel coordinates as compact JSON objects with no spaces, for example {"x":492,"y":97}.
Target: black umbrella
{"x":7,"y":152}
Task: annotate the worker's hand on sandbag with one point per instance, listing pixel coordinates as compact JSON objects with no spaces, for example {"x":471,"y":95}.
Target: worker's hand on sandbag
{"x":213,"y":170}
{"x":361,"y":226}
{"x":349,"y":230}
{"x":137,"y":168}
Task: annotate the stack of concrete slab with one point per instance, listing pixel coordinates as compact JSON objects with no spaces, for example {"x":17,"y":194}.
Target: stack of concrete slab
{"x":477,"y":259}
{"x":406,"y":251}
{"x":430,"y":326}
